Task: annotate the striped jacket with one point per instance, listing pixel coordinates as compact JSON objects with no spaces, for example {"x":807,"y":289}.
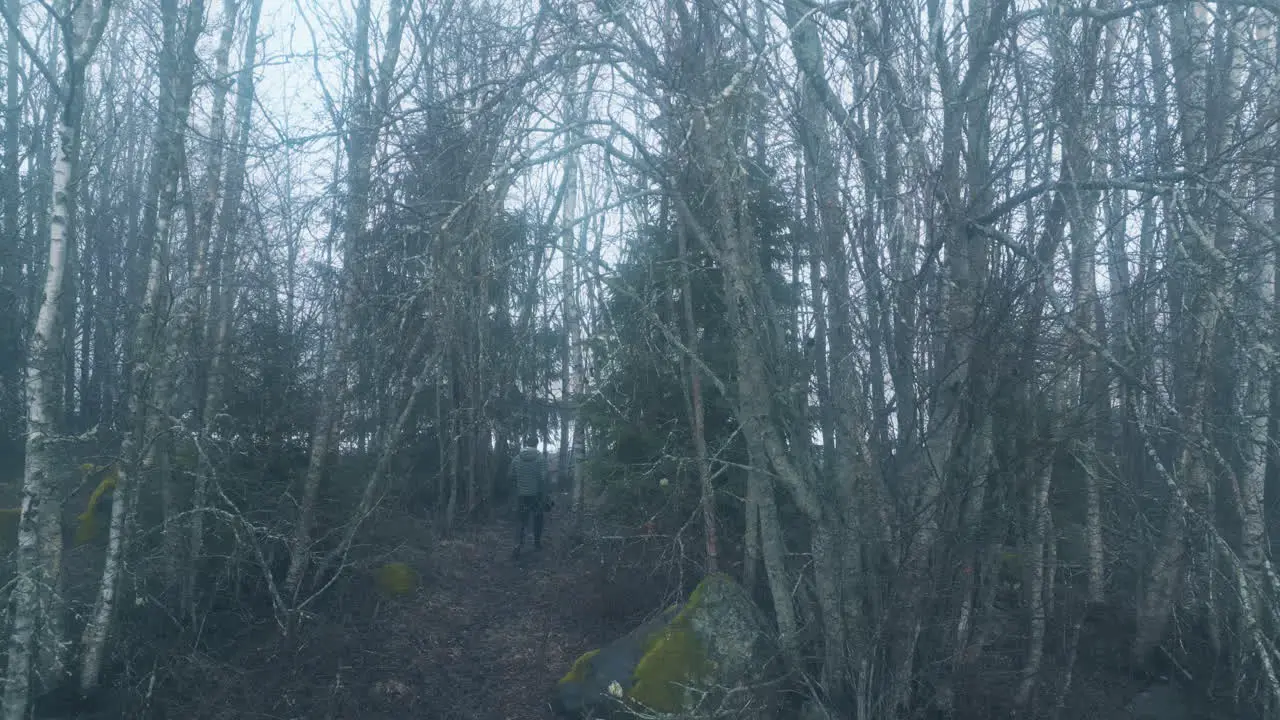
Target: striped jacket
{"x":529,"y":471}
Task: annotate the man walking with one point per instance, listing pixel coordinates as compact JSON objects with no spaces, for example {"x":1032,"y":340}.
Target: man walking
{"x":529,"y":472}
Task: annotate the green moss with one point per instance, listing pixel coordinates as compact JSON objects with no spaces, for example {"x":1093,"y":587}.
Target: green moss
{"x":87,"y":522}
{"x":578,"y":673}
{"x":395,"y":579}
{"x":674,"y":657}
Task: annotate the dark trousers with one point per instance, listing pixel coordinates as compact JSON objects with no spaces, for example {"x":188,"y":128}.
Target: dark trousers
{"x":529,"y":508}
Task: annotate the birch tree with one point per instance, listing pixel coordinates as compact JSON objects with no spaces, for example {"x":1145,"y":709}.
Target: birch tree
{"x":568,"y":464}
{"x":224,"y":199}
{"x":41,"y":503}
{"x":142,"y":449}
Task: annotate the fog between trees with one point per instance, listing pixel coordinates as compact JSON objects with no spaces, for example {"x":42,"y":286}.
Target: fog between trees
{"x":951,"y":328}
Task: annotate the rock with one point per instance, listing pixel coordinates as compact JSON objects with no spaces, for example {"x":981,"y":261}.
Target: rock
{"x":587,"y":684}
{"x":684,"y":661}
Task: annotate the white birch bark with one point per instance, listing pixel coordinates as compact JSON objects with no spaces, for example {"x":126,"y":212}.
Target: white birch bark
{"x":1260,"y":365}
{"x":40,"y":503}
{"x":1079,"y":62}
{"x":149,"y":357}
{"x":1039,"y":541}
{"x":569,"y":381}
{"x":39,"y":472}
{"x":1201,"y":280}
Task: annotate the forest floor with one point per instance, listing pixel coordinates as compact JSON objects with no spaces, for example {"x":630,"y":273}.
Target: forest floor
{"x":482,"y":637}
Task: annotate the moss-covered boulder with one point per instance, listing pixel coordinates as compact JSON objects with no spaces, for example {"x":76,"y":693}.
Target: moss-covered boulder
{"x":395,"y":579}
{"x":713,"y":651}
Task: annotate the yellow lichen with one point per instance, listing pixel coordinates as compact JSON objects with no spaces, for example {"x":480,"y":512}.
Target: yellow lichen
{"x":87,"y":524}
{"x":395,"y":579}
{"x":674,"y":658}
{"x":578,"y":672}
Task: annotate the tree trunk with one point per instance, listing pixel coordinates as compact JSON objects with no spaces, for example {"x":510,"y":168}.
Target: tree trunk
{"x":773,"y":548}
{"x":51,"y":642}
{"x":1035,"y":553}
{"x":1200,"y":286}
{"x":838,"y":545}
{"x":163,"y":347}
{"x":10,"y":255}
{"x":366,"y":114}
{"x":221,"y":296}
{"x":1078,"y":63}
{"x":1259,"y":368}
{"x":743,"y":290}
{"x":568,"y":465}
{"x":39,"y":491}
{"x":148,"y":359}
{"x":35,"y":591}
{"x":751,"y":541}
{"x":697,"y":415}
{"x":186,"y":332}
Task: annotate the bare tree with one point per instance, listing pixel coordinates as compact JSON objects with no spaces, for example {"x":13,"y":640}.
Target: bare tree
{"x":145,"y":446}
{"x":369,"y":105}
{"x":217,"y":328}
{"x":39,"y":549}
{"x":10,"y":369}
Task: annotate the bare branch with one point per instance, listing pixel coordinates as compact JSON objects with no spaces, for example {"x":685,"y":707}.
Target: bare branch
{"x":32,"y":55}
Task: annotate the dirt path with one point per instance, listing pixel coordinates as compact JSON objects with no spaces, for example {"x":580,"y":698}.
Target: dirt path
{"x":496,"y":633}
{"x":482,"y":637}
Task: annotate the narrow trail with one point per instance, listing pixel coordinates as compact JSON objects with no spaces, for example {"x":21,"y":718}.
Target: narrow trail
{"x":482,"y":637}
{"x":496,"y":632}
